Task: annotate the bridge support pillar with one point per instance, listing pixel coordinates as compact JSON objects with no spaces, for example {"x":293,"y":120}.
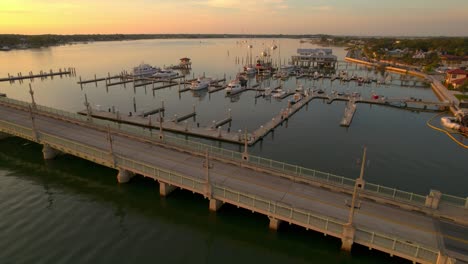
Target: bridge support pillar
{"x":124,"y":176}
{"x":433,"y":199}
{"x":165,"y":189}
{"x":49,"y":152}
{"x":347,"y":238}
{"x":274,"y":223}
{"x":4,"y":135}
{"x":215,"y":204}
{"x":441,"y":259}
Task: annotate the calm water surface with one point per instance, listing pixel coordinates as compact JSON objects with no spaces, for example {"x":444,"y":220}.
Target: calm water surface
{"x":72,"y":211}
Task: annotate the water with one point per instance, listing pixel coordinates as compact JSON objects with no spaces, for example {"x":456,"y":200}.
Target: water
{"x":69,"y":210}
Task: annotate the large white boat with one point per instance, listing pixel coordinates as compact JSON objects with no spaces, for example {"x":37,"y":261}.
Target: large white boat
{"x":233,"y":87}
{"x":166,"y":73}
{"x":200,"y":83}
{"x":145,"y":70}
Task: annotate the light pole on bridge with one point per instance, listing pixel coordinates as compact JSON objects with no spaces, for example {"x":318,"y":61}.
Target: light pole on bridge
{"x":358,"y":185}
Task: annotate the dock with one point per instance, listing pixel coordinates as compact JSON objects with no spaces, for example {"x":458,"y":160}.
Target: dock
{"x":203,"y":132}
{"x":42,"y":74}
{"x":154,"y":111}
{"x":349,"y":114}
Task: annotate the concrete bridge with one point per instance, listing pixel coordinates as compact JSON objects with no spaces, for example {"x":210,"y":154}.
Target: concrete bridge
{"x":423,"y":229}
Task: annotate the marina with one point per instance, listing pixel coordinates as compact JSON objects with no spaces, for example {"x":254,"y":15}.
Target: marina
{"x":306,"y":132}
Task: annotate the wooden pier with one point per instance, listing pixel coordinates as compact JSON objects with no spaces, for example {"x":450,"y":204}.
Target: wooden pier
{"x":154,"y":124}
{"x":43,"y":74}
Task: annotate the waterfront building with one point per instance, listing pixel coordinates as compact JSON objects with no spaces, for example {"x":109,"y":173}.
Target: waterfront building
{"x":315,"y":58}
{"x":456,"y":77}
{"x":453,"y":61}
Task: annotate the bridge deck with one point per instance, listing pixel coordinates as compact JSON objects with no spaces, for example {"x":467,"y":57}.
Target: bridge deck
{"x":380,"y":218}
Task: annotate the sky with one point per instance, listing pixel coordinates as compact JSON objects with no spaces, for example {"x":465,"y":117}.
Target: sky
{"x":336,"y":17}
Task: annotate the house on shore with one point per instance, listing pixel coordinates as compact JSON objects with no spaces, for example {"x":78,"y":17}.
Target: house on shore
{"x":453,"y":61}
{"x":456,"y":77}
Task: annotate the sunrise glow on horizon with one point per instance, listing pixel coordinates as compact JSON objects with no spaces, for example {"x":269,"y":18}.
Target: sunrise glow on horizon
{"x":339,"y":17}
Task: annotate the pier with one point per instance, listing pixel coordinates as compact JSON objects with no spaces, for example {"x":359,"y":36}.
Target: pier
{"x":43,"y":74}
{"x":349,"y":114}
{"x":428,"y":228}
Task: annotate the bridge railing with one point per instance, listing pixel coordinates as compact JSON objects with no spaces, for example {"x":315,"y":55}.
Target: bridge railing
{"x":15,"y":129}
{"x":279,"y":210}
{"x":395,"y":193}
{"x":393,"y":244}
{"x":454,"y":200}
{"x":281,"y":167}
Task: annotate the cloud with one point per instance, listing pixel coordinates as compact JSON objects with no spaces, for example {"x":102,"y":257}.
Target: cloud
{"x":244,"y":6}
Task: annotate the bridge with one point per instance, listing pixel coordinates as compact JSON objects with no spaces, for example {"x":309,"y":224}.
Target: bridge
{"x":429,"y":228}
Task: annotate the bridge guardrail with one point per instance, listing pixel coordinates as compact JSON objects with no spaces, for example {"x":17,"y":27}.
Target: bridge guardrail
{"x":269,"y":207}
{"x":276,"y":209}
{"x":372,"y":239}
{"x":454,"y":200}
{"x":395,"y":193}
{"x":387,"y":192}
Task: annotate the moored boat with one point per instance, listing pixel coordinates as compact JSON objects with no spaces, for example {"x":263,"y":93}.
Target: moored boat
{"x":145,"y":70}
{"x":233,"y":87}
{"x":450,"y":122}
{"x":200,"y":83}
{"x":166,"y":73}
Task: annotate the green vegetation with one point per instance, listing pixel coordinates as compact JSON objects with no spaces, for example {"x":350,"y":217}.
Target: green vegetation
{"x":36,"y":41}
{"x":462,"y":96}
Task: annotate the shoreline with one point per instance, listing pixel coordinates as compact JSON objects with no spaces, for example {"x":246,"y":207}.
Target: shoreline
{"x":439,"y":90}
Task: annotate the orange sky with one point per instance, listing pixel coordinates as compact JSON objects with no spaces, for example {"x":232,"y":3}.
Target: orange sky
{"x":361,"y":17}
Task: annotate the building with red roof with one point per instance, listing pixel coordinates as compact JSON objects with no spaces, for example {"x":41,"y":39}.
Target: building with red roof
{"x":456,"y":77}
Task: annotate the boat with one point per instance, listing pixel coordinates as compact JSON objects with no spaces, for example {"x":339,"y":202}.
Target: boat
{"x":233,"y":87}
{"x":274,"y":47}
{"x":319,"y":91}
{"x":250,"y":69}
{"x":200,"y":83}
{"x":278,"y":93}
{"x":300,"y":88}
{"x":166,"y":73}
{"x":5,"y":48}
{"x":145,"y":70}
{"x":450,"y":122}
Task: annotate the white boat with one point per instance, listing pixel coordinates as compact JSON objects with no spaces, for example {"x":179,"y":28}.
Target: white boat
{"x":166,"y":73}
{"x":450,"y":122}
{"x":200,"y":83}
{"x":250,"y":70}
{"x":278,"y":93}
{"x":233,"y":87}
{"x":145,"y":70}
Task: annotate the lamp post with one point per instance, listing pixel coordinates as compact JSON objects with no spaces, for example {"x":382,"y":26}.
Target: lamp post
{"x":358,"y":185}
